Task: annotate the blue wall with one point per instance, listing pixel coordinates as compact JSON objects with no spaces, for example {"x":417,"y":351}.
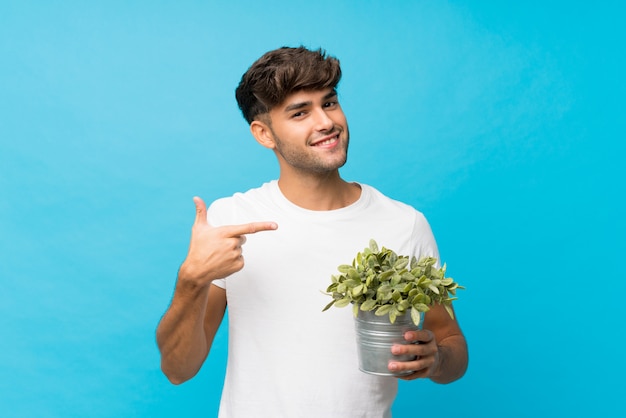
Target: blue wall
{"x":503,"y":123}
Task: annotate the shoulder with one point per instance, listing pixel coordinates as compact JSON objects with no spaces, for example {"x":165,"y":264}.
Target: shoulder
{"x":379,"y":199}
{"x":399,"y":213}
{"x":227,"y":210}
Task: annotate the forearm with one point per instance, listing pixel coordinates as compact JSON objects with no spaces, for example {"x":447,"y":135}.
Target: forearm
{"x":453,"y":359}
{"x":186,"y":331}
{"x":181,"y":335}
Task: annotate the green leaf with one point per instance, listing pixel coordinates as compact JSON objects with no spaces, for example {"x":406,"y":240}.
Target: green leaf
{"x":344,"y":268}
{"x":403,"y":305}
{"x":433,"y":288}
{"x":384,"y":293}
{"x":416,"y":316}
{"x":372,"y":262}
{"x":368,"y":305}
{"x":329,"y":305}
{"x":450,"y":311}
{"x":421,"y":307}
{"x":413,"y":262}
{"x":424,"y":281}
{"x":357,"y":291}
{"x":393,"y":258}
{"x":353,"y":274}
{"x":373,"y":246}
{"x":395,"y":279}
{"x":429,"y":261}
{"x":392,"y":315}
{"x":342,"y":302}
{"x":384,"y":288}
{"x":355,"y":309}
{"x":350,"y":283}
{"x":386,"y":275}
{"x":383,"y":310}
{"x":401,"y":263}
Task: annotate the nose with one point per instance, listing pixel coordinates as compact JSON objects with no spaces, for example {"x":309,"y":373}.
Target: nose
{"x":323,"y":122}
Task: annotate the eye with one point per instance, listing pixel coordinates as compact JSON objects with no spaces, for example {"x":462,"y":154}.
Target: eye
{"x":298,"y":114}
{"x":331,"y":103}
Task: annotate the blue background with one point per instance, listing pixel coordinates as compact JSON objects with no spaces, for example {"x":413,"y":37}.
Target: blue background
{"x":502,"y":121}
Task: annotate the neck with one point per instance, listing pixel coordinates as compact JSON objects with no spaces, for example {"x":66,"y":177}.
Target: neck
{"x":319,"y":192}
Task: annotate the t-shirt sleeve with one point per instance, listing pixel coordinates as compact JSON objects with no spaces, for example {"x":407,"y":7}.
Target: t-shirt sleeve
{"x":221,"y":283}
{"x":425,"y":243}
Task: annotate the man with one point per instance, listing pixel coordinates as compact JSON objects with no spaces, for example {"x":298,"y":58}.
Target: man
{"x":287,"y":358}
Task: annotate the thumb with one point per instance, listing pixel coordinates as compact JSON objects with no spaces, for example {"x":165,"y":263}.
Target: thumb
{"x":201,"y":217}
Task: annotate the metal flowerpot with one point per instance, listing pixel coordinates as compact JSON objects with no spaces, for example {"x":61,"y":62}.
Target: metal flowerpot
{"x":375,"y":335}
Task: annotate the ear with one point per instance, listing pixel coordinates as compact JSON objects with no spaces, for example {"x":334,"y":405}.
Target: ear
{"x":262,"y":133}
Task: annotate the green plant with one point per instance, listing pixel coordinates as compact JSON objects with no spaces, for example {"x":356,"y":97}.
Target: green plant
{"x":387,"y":283}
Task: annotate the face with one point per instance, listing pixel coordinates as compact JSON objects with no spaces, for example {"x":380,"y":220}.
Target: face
{"x":309,"y":132}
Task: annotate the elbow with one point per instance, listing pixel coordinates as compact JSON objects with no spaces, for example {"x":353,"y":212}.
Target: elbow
{"x":175,"y":380}
{"x":176,"y":377}
{"x":176,"y":368}
{"x":454,"y":360}
{"x":450,"y":378}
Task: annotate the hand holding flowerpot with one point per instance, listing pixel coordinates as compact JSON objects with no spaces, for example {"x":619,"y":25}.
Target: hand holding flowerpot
{"x":383,"y":288}
{"x":375,"y":337}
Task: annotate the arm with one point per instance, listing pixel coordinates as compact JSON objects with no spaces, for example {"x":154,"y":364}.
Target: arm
{"x":186,"y":331}
{"x":442,"y":349}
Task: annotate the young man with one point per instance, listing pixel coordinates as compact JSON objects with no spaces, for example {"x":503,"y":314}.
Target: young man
{"x":287,"y":358}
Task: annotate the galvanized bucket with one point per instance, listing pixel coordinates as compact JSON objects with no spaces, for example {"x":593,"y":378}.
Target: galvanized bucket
{"x":375,"y":335}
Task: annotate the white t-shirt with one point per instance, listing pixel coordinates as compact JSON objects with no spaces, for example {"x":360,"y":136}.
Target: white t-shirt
{"x":287,"y":358}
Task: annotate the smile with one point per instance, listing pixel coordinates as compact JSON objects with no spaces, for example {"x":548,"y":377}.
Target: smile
{"x":328,"y":140}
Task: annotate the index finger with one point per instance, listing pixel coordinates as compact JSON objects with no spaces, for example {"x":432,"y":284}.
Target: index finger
{"x":250,"y":228}
{"x":423,"y":336}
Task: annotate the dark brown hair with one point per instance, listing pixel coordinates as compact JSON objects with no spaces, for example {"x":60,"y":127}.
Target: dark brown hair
{"x":279,"y":73}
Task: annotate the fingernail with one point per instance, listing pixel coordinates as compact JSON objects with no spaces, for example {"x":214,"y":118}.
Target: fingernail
{"x":393,"y":366}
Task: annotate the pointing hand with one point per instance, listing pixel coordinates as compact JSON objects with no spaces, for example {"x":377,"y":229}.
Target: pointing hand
{"x":215,"y":252}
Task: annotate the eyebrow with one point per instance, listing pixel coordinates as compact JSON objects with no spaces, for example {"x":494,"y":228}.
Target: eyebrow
{"x":300,"y":105}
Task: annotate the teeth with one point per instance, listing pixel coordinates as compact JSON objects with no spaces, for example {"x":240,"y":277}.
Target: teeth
{"x":328,"y":141}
